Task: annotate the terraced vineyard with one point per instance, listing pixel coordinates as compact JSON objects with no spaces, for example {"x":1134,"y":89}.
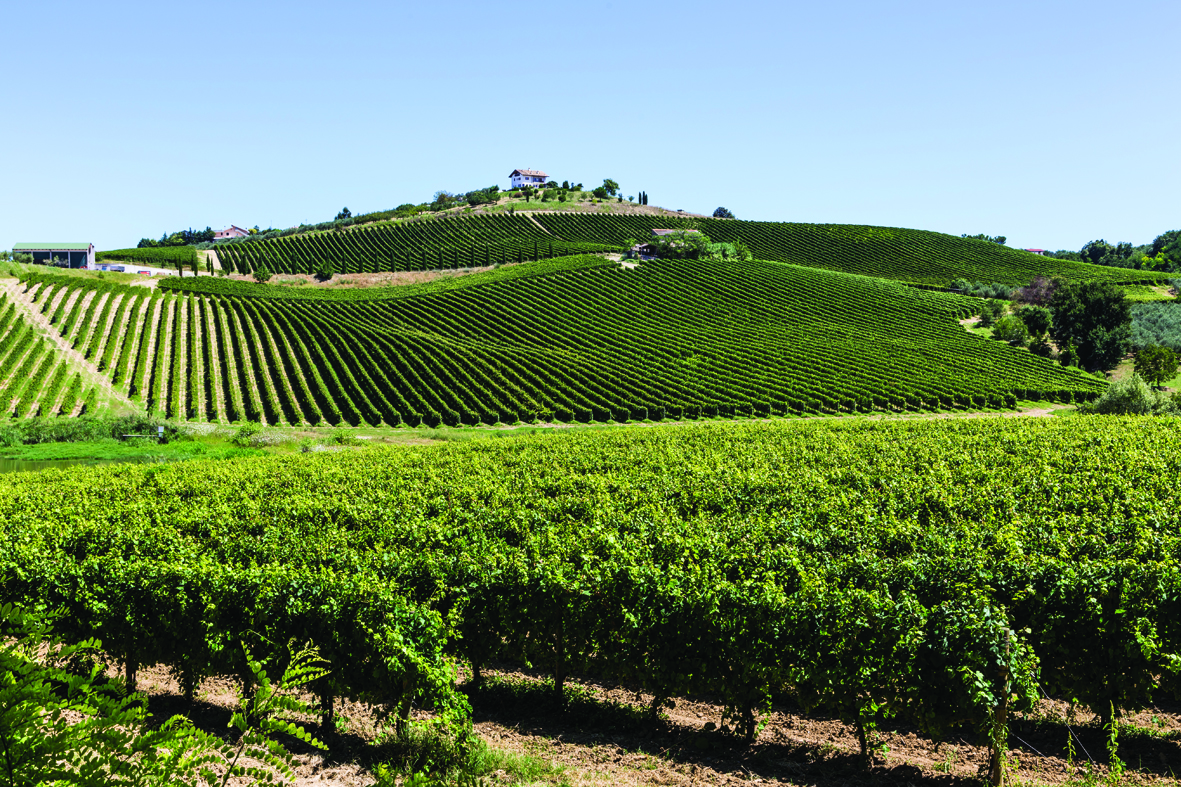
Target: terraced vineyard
{"x":914,"y":256}
{"x":406,"y":246}
{"x":35,"y":378}
{"x":576,"y":339}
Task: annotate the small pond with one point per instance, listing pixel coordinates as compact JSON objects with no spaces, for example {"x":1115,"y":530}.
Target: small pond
{"x":33,"y":465}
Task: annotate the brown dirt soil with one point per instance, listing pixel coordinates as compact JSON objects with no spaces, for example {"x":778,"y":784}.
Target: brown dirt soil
{"x":348,"y":281}
{"x":601,"y":736}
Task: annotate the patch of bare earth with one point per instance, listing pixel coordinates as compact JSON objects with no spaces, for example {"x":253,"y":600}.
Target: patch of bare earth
{"x":348,"y":281}
{"x":601,"y":735}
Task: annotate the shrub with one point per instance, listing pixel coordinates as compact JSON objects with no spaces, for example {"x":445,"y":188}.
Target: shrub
{"x":246,"y":434}
{"x":1012,"y":330}
{"x":262,"y":273}
{"x":342,"y":437}
{"x":1132,"y":396}
{"x":991,"y":311}
{"x":325,"y":271}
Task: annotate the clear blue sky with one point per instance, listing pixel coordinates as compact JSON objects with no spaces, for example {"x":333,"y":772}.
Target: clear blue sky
{"x":1050,"y":122}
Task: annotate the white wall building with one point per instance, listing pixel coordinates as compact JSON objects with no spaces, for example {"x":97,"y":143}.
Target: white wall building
{"x":78,"y":255}
{"x":230,"y":232}
{"x":519,"y":178}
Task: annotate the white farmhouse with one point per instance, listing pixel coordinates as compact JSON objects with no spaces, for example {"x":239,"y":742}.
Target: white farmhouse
{"x":527,"y":177}
{"x":233,"y":231}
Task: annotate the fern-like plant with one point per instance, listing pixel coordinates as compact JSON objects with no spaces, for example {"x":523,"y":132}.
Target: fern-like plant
{"x":60,"y":723}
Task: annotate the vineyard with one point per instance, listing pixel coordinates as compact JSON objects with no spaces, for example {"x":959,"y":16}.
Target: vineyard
{"x":576,"y":339}
{"x":946,"y":573}
{"x":34,"y":378}
{"x":409,"y":246}
{"x":913,"y":256}
{"x":166,"y":257}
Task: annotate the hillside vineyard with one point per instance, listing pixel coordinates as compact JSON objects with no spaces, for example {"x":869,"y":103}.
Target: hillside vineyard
{"x":574,"y":339}
{"x":34,"y":378}
{"x":915,"y":256}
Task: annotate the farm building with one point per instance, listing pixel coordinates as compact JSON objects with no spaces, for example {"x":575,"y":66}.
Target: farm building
{"x":78,"y":255}
{"x":527,"y":177}
{"x":1039,"y":252}
{"x":232,"y":231}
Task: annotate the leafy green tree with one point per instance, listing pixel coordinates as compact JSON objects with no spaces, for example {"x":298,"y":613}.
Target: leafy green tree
{"x":1038,"y":320}
{"x":325,"y":271}
{"x":999,"y":239}
{"x":723,"y":213}
{"x":991,"y":311}
{"x":610,"y":186}
{"x":1156,"y":364}
{"x":345,"y":213}
{"x":683,"y":245}
{"x":1068,"y":356}
{"x":601,"y":192}
{"x":1011,"y":329}
{"x":1094,"y":317}
{"x":1095,"y":251}
{"x":262,"y":273}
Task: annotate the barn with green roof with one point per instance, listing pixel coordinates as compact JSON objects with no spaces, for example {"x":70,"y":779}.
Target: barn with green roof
{"x":78,"y":255}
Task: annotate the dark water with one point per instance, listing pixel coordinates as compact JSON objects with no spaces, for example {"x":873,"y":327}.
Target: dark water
{"x":33,"y":465}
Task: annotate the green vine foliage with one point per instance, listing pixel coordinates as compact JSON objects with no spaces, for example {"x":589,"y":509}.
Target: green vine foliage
{"x":62,"y":722}
{"x":943,"y":573}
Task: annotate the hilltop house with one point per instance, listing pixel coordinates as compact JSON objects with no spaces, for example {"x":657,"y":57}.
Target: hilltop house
{"x":230,"y":232}
{"x":78,"y":255}
{"x":1039,"y":252}
{"x":519,"y":178}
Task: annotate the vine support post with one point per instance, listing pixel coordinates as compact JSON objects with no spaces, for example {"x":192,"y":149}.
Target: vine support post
{"x":998,"y":740}
{"x":130,"y":667}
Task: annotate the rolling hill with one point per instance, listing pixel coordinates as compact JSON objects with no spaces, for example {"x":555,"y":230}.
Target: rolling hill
{"x":919,"y":257}
{"x":573,"y":339}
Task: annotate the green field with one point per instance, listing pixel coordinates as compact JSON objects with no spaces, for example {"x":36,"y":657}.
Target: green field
{"x":571,"y":340}
{"x":909,"y":569}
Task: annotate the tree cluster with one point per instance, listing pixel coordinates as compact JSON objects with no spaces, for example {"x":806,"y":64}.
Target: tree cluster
{"x":1000,"y":239}
{"x":189,"y":237}
{"x":1163,"y":254}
